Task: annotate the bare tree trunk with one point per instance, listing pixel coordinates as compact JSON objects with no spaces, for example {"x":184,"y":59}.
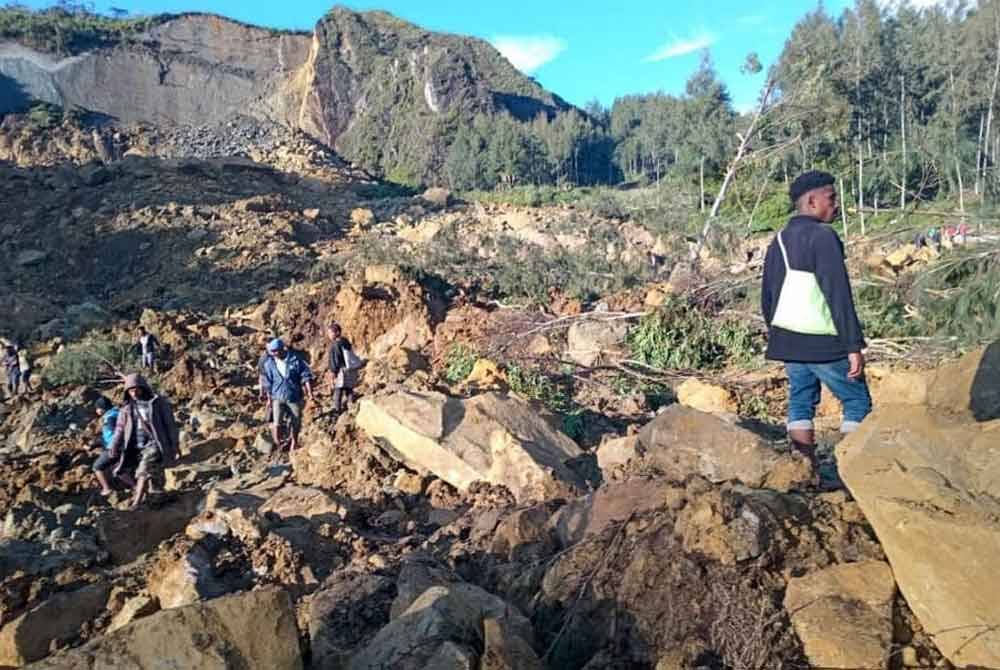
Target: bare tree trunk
{"x":979,"y":153}
{"x":861,"y":186}
{"x":902,"y":134}
{"x":993,"y":95}
{"x":843,"y":210}
{"x":734,"y":165}
{"x":961,"y":189}
{"x":701,"y":180}
{"x":760,"y":196}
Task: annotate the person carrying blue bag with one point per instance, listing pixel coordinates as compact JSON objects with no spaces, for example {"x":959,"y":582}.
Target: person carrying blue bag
{"x":807,"y":303}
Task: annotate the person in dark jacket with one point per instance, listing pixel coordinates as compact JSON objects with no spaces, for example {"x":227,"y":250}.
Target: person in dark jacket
{"x":146,"y":434}
{"x":149,"y":348}
{"x":13,"y":368}
{"x":816,"y":333}
{"x":344,"y":378}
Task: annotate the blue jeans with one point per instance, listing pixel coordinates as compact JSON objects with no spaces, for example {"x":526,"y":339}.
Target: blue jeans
{"x":804,"y":391}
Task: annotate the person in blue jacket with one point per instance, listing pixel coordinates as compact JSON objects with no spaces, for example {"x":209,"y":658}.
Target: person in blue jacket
{"x":109,"y":419}
{"x":287,"y":380}
{"x":817,"y":335}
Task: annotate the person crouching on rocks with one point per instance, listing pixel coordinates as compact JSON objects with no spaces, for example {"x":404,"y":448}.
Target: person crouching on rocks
{"x":146,"y":435}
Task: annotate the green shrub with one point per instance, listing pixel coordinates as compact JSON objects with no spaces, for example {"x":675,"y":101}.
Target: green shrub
{"x":959,"y":297}
{"x":555,"y":395}
{"x":88,"y":362}
{"x":43,"y":115}
{"x":70,"y":29}
{"x":459,"y":361}
{"x":682,"y":336}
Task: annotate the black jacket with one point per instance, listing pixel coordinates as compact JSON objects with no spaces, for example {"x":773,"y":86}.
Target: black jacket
{"x":336,"y":355}
{"x":812,"y":246}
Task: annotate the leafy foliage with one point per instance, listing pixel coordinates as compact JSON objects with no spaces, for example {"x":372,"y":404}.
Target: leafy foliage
{"x":88,"y":362}
{"x":680,"y":335}
{"x":555,"y":394}
{"x":459,"y":361}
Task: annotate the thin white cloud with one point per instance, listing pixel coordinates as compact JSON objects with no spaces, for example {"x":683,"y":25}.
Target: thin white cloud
{"x":529,"y":52}
{"x":680,"y":47}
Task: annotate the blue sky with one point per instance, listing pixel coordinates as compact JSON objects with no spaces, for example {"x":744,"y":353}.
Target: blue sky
{"x":579,"y":50}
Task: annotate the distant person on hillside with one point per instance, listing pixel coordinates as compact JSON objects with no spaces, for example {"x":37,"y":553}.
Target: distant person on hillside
{"x":146,"y":436}
{"x":109,"y":420}
{"x":344,"y":366}
{"x":13,"y":368}
{"x":807,"y":303}
{"x":148,"y":347}
{"x":286,"y":376}
{"x":24,"y":366}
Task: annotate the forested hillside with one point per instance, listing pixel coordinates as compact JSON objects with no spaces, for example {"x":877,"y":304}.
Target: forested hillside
{"x":900,"y":102}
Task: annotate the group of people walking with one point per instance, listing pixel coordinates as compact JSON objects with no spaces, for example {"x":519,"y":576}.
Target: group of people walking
{"x":140,"y":437}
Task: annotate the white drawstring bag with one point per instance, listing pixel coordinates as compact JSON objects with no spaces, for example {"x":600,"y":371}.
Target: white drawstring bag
{"x":802,"y":307}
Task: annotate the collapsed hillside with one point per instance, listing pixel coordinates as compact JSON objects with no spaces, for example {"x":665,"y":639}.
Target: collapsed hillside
{"x":555,"y":425}
{"x":384,"y":93}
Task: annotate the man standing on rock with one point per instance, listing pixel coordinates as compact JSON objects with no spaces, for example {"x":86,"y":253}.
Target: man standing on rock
{"x":807,"y":303}
{"x":345,"y":376}
{"x":145,"y":434}
{"x":285,"y":376}
{"x":12,"y":366}
{"x":148,"y":348}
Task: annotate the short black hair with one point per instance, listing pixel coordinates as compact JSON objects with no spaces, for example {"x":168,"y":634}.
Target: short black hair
{"x":103,"y":404}
{"x":808,"y":181}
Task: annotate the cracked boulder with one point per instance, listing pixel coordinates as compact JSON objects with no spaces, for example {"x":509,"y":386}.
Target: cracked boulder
{"x":927,"y":483}
{"x":490,"y":437}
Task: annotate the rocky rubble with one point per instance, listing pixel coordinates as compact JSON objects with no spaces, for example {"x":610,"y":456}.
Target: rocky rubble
{"x":445,"y":522}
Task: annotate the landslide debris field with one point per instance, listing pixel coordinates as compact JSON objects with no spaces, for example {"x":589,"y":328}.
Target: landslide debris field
{"x":567,"y":452}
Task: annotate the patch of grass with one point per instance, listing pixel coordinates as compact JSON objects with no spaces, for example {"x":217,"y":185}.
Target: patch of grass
{"x":88,"y":362}
{"x":459,"y":361}
{"x":680,"y":335}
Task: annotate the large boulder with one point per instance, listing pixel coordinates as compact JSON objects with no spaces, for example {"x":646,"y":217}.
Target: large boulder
{"x":128,"y":534}
{"x":927,"y":483}
{"x":490,"y":437}
{"x":251,"y":631}
{"x":442,"y":629}
{"x":360,"y":599}
{"x":594,"y":513}
{"x":843,"y":615}
{"x":291,"y":502}
{"x":969,"y":386}
{"x":682,"y":441}
{"x":591,"y":341}
{"x":183,"y":576}
{"x":27,"y":638}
